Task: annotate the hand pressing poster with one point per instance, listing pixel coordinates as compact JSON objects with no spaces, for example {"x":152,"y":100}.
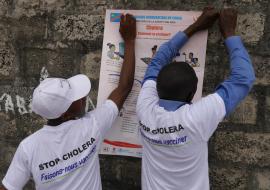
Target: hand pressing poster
{"x":153,"y":29}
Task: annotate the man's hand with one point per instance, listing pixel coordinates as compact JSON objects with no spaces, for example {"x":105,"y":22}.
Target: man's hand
{"x":227,"y":22}
{"x":128,"y":27}
{"x":205,"y":21}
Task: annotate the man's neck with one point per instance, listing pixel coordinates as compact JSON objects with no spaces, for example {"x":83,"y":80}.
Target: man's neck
{"x":58,"y":121}
{"x":171,"y":105}
{"x":55,"y":122}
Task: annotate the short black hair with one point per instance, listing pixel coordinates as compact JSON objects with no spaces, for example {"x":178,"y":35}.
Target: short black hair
{"x":177,"y":81}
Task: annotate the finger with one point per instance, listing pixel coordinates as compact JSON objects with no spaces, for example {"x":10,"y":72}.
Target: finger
{"x":130,"y":17}
{"x":210,"y":7}
{"x":122,"y":17}
{"x":229,"y":9}
{"x":122,"y":20}
{"x":207,"y":8}
{"x":234,"y":11}
{"x":222,"y":12}
{"x":215,"y":13}
{"x":121,"y":23}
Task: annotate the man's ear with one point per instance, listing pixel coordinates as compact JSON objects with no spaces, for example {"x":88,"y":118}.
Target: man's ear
{"x":66,"y":116}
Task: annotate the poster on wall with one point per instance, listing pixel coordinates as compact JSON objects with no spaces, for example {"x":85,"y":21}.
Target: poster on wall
{"x":153,"y":29}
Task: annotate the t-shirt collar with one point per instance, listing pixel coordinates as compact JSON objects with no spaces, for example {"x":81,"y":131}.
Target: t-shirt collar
{"x":171,"y":105}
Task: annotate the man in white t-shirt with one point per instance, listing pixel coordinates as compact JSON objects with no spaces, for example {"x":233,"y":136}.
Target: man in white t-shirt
{"x":63,"y":155}
{"x":174,"y":131}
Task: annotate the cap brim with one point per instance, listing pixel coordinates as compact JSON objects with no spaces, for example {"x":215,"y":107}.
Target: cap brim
{"x":80,"y":86}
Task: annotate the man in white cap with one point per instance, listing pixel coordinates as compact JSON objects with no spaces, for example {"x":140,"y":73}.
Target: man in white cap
{"x":64,"y":153}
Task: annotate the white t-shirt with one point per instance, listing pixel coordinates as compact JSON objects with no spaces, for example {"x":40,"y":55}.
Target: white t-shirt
{"x":65,"y":156}
{"x":175,"y":151}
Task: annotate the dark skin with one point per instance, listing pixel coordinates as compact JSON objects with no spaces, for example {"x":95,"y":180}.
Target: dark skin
{"x":128,"y":33}
{"x":227,"y":22}
{"x":205,"y":21}
{"x":75,"y":111}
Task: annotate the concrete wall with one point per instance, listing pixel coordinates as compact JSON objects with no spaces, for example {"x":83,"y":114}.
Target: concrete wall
{"x":61,"y":38}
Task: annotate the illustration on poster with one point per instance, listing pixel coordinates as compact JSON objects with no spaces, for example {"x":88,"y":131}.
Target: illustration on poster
{"x":147,"y":60}
{"x":112,"y":54}
{"x":154,"y":49}
{"x":191,"y":60}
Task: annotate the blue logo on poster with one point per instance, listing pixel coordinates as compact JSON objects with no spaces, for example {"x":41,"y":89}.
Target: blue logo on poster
{"x":115,"y":17}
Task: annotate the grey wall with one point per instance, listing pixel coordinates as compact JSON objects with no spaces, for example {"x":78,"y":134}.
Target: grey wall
{"x":62,"y":38}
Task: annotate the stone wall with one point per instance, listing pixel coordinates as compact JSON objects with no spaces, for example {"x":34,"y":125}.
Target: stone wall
{"x":60,"y":38}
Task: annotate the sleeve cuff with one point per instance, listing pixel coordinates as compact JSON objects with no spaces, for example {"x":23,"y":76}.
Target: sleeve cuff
{"x":233,"y":42}
{"x":111,"y":104}
{"x":7,"y":185}
{"x":179,"y":39}
{"x":149,"y":82}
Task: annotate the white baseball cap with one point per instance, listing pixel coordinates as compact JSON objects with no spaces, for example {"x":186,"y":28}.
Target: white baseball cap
{"x":53,"y":96}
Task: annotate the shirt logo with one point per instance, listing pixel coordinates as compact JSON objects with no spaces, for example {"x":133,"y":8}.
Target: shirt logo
{"x":162,"y":130}
{"x":66,"y":168}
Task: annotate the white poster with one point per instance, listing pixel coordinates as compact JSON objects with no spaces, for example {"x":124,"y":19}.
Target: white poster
{"x":153,"y":29}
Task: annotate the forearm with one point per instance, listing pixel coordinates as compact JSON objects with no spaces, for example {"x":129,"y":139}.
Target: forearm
{"x":192,"y":29}
{"x":237,"y":86}
{"x":164,"y":55}
{"x":128,"y":68}
{"x":119,"y":95}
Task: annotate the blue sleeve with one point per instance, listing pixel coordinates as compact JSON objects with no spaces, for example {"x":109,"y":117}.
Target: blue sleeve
{"x":237,"y":86}
{"x":164,"y":55}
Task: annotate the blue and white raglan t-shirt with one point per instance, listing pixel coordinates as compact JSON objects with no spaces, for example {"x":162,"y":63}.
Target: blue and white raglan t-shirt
{"x":175,"y":134}
{"x":63,"y":157}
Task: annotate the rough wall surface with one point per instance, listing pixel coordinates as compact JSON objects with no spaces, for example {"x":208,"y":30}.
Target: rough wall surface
{"x":40,"y":38}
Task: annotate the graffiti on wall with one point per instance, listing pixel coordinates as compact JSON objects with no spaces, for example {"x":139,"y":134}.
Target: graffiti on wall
{"x":21,"y":105}
{"x":18,"y":104}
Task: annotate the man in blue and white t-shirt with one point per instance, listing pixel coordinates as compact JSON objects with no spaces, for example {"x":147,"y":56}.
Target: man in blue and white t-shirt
{"x":63,"y":155}
{"x":175,"y":132}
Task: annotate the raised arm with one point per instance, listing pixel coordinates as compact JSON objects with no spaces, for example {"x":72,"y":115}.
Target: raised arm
{"x":237,"y":86}
{"x":128,"y":33}
{"x":169,"y":50}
